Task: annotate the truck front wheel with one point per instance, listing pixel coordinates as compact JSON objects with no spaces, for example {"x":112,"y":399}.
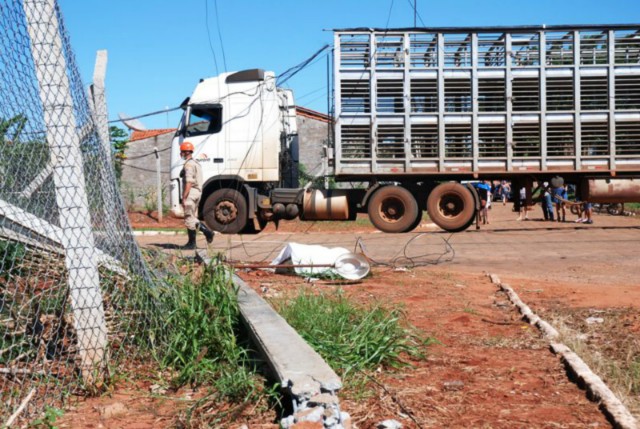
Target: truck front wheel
{"x":393,"y":209}
{"x":451,"y":206}
{"x":225,"y":211}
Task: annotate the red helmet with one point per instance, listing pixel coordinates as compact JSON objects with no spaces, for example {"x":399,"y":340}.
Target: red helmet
{"x":186,"y":147}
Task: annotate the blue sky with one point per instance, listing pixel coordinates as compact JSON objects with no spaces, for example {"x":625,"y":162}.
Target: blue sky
{"x":159,"y":49}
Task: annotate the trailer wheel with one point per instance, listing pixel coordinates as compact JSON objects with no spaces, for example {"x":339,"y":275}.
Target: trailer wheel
{"x":393,"y":209}
{"x":416,"y":223}
{"x":225,"y":211}
{"x":451,"y":207}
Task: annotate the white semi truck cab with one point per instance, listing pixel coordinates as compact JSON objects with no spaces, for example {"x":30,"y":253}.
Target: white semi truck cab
{"x":244,"y":133}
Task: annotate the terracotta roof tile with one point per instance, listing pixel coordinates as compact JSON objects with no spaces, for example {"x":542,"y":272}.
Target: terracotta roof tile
{"x":308,"y":113}
{"x":141,"y":135}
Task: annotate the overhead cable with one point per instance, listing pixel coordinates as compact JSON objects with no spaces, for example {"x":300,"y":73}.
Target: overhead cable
{"x":224,"y":57}
{"x":157,"y":112}
{"x":289,"y":73}
{"x":206,"y":20}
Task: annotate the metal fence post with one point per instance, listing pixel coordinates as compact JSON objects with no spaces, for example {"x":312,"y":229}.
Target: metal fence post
{"x":75,"y":232}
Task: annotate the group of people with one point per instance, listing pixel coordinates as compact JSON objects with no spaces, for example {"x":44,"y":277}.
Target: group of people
{"x":556,"y":198}
{"x":553,"y":199}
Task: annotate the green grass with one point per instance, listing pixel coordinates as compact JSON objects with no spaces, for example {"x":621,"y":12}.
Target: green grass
{"x":11,"y":254}
{"x":352,"y":338}
{"x":471,"y":310}
{"x":201,"y":324}
{"x":632,"y":207}
{"x":204,"y":345}
{"x":48,"y":419}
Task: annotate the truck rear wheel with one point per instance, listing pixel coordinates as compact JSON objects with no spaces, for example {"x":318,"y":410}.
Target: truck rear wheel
{"x":393,"y":209}
{"x":451,"y":207}
{"x":225,"y":211}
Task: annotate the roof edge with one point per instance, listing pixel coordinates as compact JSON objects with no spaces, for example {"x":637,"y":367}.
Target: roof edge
{"x":516,"y":28}
{"x":312,"y":114}
{"x":147,"y":134}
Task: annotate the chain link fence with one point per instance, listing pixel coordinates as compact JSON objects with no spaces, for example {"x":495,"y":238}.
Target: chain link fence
{"x":75,"y":293}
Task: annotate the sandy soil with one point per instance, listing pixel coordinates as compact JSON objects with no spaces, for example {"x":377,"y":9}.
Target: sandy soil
{"x":490,"y":369}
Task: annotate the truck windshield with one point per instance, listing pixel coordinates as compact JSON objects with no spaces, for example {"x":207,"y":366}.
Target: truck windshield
{"x":204,"y":120}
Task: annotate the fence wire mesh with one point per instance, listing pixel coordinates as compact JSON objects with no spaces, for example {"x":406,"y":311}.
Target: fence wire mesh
{"x":75,"y":293}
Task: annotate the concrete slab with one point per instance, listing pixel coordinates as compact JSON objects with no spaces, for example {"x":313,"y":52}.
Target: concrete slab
{"x":294,"y":363}
{"x":301,"y":372}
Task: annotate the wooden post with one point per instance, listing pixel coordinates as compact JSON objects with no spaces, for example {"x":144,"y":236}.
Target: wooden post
{"x":75,"y":233}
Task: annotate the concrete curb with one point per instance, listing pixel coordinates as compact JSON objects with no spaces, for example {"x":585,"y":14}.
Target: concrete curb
{"x":598,"y":390}
{"x":302,"y":373}
{"x":156,"y":232}
{"x":312,"y":384}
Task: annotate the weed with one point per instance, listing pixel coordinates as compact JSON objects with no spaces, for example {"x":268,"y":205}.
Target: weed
{"x":632,"y":207}
{"x":47,"y":421}
{"x":202,"y":320}
{"x":470,"y":310}
{"x":10,"y":254}
{"x":150,"y":196}
{"x":200,"y":343}
{"x":129,"y":197}
{"x":349,"y":336}
{"x":614,"y":356}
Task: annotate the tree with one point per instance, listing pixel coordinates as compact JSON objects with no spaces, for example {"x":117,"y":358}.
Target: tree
{"x":14,"y":125}
{"x":119,"y":140}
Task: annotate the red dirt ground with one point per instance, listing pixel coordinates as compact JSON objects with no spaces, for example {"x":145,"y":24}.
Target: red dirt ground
{"x":144,"y":220}
{"x":490,"y":370}
{"x":149,"y":220}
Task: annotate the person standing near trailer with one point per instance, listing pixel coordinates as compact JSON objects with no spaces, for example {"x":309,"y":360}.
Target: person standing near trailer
{"x":560,"y":195}
{"x":505,"y":190}
{"x":484,"y":192}
{"x":192,"y":191}
{"x":547,"y":203}
{"x":523,"y":205}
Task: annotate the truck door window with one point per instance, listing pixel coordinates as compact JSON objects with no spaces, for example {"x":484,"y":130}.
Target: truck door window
{"x":204,"y":120}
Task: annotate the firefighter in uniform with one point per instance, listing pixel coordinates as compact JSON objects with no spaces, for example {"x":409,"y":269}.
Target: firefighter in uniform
{"x":192,"y":191}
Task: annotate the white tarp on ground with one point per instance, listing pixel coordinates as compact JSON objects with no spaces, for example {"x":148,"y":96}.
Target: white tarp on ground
{"x":332,"y":261}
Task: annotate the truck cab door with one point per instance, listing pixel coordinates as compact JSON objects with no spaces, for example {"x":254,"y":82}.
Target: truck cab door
{"x":203,"y":128}
{"x":201,"y":125}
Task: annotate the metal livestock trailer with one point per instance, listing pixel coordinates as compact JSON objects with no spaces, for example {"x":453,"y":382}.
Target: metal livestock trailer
{"x":459,"y":103}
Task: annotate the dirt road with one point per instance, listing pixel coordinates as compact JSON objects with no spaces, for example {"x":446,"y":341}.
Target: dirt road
{"x":604,"y":253}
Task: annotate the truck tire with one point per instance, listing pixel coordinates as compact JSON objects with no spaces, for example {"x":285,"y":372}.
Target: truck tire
{"x":451,"y":207}
{"x":225,"y":211}
{"x":393,"y":209}
{"x":416,"y":223}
